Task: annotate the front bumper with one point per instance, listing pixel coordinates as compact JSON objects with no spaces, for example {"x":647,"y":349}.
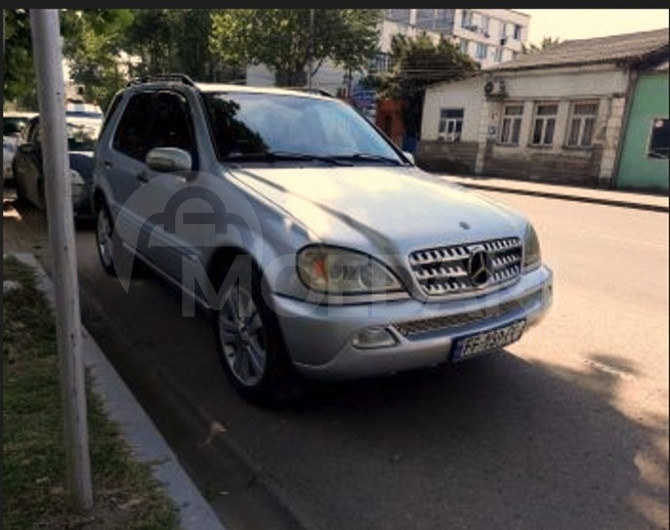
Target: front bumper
{"x":319,"y":339}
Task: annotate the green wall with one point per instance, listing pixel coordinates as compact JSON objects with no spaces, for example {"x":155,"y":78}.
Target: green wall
{"x":636,"y":170}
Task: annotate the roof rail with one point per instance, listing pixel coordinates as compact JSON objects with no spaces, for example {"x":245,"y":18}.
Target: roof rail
{"x":178,"y":78}
{"x":318,"y":91}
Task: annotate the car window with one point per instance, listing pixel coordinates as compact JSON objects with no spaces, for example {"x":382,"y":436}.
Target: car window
{"x":172,"y":125}
{"x":250,"y":123}
{"x":132,"y":134}
{"x":32,"y":131}
{"x":156,"y":119}
{"x":12,"y":126}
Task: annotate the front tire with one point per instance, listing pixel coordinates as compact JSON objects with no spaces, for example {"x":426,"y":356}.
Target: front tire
{"x":249,"y":342}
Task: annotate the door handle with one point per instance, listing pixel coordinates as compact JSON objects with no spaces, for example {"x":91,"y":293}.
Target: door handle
{"x":107,"y":164}
{"x":142,"y":176}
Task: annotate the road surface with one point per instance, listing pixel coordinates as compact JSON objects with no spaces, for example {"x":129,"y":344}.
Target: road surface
{"x":567,"y":429}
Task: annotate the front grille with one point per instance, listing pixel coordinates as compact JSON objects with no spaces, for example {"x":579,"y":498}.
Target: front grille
{"x":444,"y":270}
{"x":417,"y":327}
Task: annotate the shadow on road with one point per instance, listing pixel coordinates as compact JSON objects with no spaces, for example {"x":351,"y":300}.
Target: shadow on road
{"x":496,"y":442}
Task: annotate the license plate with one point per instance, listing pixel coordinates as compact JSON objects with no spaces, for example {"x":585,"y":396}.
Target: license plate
{"x":486,"y":341}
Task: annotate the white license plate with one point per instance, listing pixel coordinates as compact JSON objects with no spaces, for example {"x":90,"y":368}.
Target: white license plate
{"x":485,"y":341}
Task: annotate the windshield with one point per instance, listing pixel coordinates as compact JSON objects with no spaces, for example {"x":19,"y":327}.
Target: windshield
{"x":81,"y":136}
{"x":246,"y":125}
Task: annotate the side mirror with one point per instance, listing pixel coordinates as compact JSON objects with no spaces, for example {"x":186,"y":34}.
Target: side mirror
{"x":409,"y":156}
{"x":169,"y":159}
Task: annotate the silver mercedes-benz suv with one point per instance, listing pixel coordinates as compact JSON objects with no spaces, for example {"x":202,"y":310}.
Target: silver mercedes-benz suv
{"x":319,"y":247}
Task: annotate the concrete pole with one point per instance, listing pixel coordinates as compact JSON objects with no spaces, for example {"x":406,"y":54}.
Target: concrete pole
{"x":45,"y":29}
{"x":311,"y":48}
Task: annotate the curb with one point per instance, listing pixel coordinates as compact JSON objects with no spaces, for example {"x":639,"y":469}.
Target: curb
{"x":576,"y":198}
{"x":145,"y":441}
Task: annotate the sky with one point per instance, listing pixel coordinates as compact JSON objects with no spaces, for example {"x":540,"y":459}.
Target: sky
{"x":586,"y":23}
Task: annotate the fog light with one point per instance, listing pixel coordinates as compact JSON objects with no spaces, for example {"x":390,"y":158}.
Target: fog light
{"x":374,"y":338}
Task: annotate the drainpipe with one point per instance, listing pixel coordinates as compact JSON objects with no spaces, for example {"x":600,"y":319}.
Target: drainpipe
{"x":633,"y":76}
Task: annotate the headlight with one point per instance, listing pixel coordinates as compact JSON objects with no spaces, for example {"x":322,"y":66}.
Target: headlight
{"x":531,"y":249}
{"x":338,"y":271}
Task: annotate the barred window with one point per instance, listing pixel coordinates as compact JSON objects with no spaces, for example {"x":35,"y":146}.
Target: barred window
{"x":582,"y":123}
{"x":451,"y":125}
{"x":511,"y":125}
{"x":545,"y":124}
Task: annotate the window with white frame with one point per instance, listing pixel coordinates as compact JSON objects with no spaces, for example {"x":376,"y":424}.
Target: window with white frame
{"x":451,"y":125}
{"x":482,"y":50}
{"x":382,"y":62}
{"x":464,"y":46}
{"x":544,"y":124}
{"x":582,"y":123}
{"x":466,"y":20}
{"x":658,"y":141}
{"x":497,"y":55}
{"x":517,"y":31}
{"x":510,"y":128}
{"x":484,"y":26}
{"x":398,"y":15}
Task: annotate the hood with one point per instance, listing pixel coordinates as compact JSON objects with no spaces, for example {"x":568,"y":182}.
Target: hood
{"x":395,"y":208}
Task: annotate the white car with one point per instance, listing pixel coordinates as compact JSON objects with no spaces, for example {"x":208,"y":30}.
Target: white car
{"x":13,"y":124}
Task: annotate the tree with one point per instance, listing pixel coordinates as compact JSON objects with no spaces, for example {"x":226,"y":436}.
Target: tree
{"x":19,"y":83}
{"x":93,"y":40}
{"x":280,"y":39}
{"x":416,"y":64}
{"x":547,"y":42}
{"x":176,"y":40}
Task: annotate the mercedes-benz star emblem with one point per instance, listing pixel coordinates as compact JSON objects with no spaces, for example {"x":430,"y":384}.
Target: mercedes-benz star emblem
{"x":479,"y":267}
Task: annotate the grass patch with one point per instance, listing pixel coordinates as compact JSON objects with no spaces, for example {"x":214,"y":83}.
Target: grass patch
{"x":125,"y":493}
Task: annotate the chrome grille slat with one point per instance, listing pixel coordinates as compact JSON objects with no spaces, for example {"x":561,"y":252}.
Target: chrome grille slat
{"x":417,"y":327}
{"x":444,"y":270}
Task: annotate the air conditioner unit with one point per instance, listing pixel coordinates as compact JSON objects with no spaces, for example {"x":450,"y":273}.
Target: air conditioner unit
{"x":503,"y":41}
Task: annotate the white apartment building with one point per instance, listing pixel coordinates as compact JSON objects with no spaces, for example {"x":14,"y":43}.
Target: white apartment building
{"x":489,"y":36}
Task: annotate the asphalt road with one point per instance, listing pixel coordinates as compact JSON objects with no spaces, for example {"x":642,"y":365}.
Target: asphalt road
{"x":567,"y":429}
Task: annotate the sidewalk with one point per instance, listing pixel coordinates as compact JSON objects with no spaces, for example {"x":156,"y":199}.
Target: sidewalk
{"x":626,"y":199}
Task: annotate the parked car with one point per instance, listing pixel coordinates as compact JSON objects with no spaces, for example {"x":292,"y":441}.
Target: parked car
{"x":79,"y":109}
{"x":346,"y":259}
{"x":82,"y":134}
{"x":13,"y":124}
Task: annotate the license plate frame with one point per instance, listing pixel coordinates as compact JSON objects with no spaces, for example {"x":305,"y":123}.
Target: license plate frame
{"x":487,"y":341}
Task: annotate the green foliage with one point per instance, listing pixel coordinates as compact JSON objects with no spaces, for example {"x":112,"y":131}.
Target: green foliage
{"x":415,"y":64}
{"x":19,"y":83}
{"x":547,"y":42}
{"x":280,"y":39}
{"x":176,"y":40}
{"x":93,"y":40}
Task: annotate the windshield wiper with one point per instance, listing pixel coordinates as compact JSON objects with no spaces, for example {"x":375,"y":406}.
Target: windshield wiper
{"x":280,"y":156}
{"x":370,"y":157}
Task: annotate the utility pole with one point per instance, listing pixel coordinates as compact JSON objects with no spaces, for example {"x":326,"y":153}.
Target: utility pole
{"x":45,"y":28}
{"x":311,"y":49}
